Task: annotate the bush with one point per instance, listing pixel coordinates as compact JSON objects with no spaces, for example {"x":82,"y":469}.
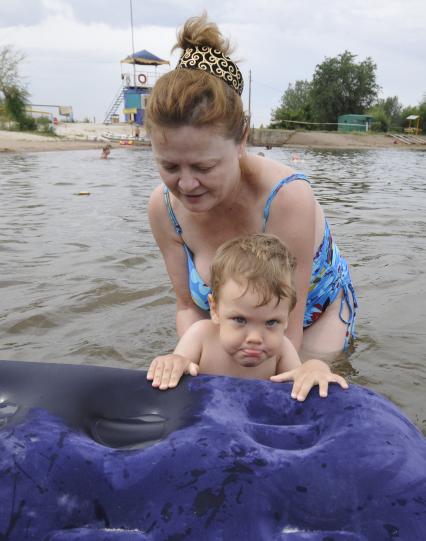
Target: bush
{"x":380,"y":122}
{"x":44,"y":125}
{"x":27,"y":123}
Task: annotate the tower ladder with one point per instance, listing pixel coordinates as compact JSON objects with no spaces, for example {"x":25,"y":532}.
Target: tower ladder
{"x":115,"y":105}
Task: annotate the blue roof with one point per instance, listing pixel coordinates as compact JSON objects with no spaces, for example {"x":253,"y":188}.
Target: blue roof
{"x":145,"y":58}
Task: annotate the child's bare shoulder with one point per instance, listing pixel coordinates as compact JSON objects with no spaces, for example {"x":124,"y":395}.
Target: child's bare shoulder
{"x":286,"y":343}
{"x":201,"y":332}
{"x":288,"y":358}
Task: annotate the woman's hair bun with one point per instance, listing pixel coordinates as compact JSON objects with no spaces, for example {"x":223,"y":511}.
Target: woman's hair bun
{"x":198,"y":31}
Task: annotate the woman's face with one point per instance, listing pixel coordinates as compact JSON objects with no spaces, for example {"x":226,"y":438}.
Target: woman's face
{"x":198,"y":165}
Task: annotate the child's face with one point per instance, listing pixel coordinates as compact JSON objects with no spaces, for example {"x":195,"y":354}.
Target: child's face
{"x":251,"y":334}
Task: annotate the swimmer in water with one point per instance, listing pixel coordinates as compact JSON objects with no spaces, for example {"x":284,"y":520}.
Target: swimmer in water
{"x":106,"y":151}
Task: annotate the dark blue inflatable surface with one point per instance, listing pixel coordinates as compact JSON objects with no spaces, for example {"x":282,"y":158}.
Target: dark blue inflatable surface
{"x":89,"y":453}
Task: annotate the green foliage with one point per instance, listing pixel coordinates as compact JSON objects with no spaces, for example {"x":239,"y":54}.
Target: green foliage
{"x":14,"y":96}
{"x":407,"y":111}
{"x":421,"y":110}
{"x":44,"y":125}
{"x":339,"y":86}
{"x":381,"y":121}
{"x":414,"y":110}
{"x":386,"y":114}
{"x":342,"y":86}
{"x":295,"y":105}
{"x":390,"y":115}
{"x":392,"y":108}
{"x":15,"y":103}
{"x":9,"y":63}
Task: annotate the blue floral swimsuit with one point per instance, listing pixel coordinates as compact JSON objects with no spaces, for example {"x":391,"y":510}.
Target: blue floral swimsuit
{"x":330,"y":272}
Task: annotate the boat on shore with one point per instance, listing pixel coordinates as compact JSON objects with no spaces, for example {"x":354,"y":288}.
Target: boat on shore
{"x":127,"y":140}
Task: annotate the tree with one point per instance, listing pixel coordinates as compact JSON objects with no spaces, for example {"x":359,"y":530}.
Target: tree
{"x":386,"y":113}
{"x":295,"y":104}
{"x":422,"y":111}
{"x":392,"y":108}
{"x":13,"y":94}
{"x":15,"y":104}
{"x":9,"y":63}
{"x":381,"y":121}
{"x":340,"y":86}
{"x":419,"y":109}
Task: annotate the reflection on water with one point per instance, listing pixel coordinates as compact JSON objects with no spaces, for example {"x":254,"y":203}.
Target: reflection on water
{"x":82,"y":281}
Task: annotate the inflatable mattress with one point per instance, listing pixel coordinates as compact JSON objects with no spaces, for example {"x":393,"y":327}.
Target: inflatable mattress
{"x":92,"y":453}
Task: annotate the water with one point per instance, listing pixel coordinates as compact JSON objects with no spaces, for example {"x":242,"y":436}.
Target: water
{"x":82,"y":281}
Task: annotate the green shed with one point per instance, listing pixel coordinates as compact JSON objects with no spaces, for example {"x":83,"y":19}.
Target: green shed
{"x":354,"y":123}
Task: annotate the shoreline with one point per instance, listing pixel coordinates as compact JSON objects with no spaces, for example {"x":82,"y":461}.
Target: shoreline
{"x":70,"y":136}
{"x":84,"y":136}
{"x":46,"y":146}
{"x":328,"y":140}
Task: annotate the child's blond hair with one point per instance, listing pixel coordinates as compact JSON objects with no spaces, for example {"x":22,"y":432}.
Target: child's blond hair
{"x":261,"y":261}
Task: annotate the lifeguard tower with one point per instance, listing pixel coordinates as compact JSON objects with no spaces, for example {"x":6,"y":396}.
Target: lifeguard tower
{"x":136,"y":85}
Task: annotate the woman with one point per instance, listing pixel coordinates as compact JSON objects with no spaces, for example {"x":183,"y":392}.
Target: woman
{"x":214,"y":190}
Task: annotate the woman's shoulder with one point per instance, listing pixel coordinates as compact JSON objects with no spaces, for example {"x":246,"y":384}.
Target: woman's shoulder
{"x":158,"y":216}
{"x":286,"y":178}
{"x":265,"y":173}
{"x":157,"y":208}
{"x":156,"y":196}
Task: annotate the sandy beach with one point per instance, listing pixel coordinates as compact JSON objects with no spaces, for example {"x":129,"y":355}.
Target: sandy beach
{"x":69,"y":136}
{"x":316,"y":139}
{"x":79,"y":135}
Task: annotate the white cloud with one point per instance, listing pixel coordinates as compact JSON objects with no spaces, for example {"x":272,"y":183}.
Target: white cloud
{"x":58,"y":34}
{"x":74,"y":47}
{"x":59,"y":8}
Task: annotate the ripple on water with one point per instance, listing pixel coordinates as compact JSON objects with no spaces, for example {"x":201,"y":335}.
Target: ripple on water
{"x":35,"y":323}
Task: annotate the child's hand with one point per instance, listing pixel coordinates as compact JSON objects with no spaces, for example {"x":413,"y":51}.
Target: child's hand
{"x":165,"y":371}
{"x":312,"y":372}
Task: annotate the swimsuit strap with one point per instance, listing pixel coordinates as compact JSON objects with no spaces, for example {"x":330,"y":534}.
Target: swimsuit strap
{"x":348,"y":293}
{"x":274,"y":191}
{"x":166,"y":195}
{"x":177,"y":226}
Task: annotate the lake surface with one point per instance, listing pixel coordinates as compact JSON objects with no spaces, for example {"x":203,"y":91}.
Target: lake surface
{"x":82,"y":281}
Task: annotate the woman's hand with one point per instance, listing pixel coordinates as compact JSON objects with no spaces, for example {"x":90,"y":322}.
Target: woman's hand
{"x":311,"y":373}
{"x":165,"y":371}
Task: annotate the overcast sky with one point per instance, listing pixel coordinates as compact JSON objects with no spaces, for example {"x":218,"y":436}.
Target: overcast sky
{"x":73,"y":48}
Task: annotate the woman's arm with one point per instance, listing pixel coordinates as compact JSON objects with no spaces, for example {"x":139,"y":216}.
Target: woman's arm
{"x":171,"y":247}
{"x":186,"y":316}
{"x":292,"y":219}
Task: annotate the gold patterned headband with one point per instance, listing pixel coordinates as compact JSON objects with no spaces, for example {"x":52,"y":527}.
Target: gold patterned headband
{"x":215,"y":62}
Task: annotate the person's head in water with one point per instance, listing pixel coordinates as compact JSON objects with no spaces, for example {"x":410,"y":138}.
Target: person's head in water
{"x":106,"y":151}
